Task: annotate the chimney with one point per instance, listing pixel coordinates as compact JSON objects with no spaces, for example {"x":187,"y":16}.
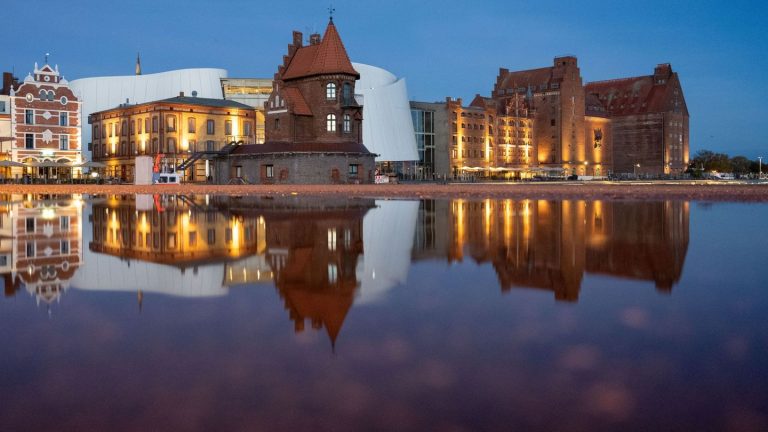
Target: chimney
{"x":297,"y":39}
{"x":181,"y":94}
{"x":314,"y":39}
{"x":8,"y":82}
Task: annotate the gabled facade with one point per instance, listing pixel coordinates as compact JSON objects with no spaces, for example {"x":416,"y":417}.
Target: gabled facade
{"x":313,"y":124}
{"x":649,"y":121}
{"x":45,"y":122}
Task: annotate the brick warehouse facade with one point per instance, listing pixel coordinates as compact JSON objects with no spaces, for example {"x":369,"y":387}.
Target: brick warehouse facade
{"x":45,"y":121}
{"x":313,"y":126}
{"x":545,"y":121}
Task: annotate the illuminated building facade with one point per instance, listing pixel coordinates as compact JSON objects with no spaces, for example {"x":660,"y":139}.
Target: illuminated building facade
{"x":45,"y":123}
{"x":313,"y":122}
{"x":551,"y":245}
{"x":183,"y":131}
{"x":649,"y":121}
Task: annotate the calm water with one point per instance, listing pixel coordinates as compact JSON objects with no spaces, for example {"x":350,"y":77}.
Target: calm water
{"x":218,"y":313}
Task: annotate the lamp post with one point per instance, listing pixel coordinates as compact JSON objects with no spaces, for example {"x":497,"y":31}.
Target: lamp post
{"x":760,"y":167}
{"x":634,"y":169}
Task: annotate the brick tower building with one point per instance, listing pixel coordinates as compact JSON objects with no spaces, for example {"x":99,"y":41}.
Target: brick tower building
{"x":313,"y":122}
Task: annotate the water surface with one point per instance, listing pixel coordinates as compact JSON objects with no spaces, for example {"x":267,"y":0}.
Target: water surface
{"x":288,"y":313}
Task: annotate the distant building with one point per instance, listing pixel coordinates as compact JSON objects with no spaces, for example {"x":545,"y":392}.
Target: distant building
{"x":313,"y":122}
{"x":649,"y":121}
{"x":249,"y":91}
{"x":45,"y":123}
{"x":182,"y":132}
{"x":6,"y":132}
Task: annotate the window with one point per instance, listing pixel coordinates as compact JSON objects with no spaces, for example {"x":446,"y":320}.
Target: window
{"x":269,"y":171}
{"x":191,"y":125}
{"x":330,"y":122}
{"x":353,"y":170}
{"x":146,"y":125}
{"x":133,"y":147}
{"x":454,"y":153}
{"x":247,"y":128}
{"x":64,"y":223}
{"x":155,"y":123}
{"x":29,"y":116}
{"x":209,"y":146}
{"x":64,"y":142}
{"x":228,"y":127}
{"x":210,"y":127}
{"x":193,"y":238}
{"x":2,"y":106}
{"x":63,"y":119}
{"x":332,"y":239}
{"x":211,"y":236}
{"x":139,"y":122}
{"x":65,"y":247}
{"x":330,"y":91}
{"x":124,"y":128}
{"x":30,"y":249}
{"x":170,"y":123}
{"x":333,"y":273}
{"x":30,"y":225}
{"x":277,"y":124}
{"x":133,"y":127}
{"x":171,"y":145}
{"x":347,"y":123}
{"x":29,"y":141}
{"x":347,"y":93}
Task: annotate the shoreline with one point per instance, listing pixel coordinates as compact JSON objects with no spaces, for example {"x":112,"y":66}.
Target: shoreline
{"x":624,"y":190}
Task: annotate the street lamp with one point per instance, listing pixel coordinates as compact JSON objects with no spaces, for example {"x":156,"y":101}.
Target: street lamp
{"x":760,"y":167}
{"x":634,"y":169}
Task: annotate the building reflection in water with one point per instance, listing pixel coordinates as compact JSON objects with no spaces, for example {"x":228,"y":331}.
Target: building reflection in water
{"x":324,"y":255}
{"x":551,"y":244}
{"x":40,"y":244}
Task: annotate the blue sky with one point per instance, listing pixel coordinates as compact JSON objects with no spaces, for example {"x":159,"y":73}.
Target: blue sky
{"x":443,"y":48}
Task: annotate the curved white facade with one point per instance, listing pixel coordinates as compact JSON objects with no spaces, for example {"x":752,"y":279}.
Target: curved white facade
{"x":103,"y":93}
{"x":387,"y":124}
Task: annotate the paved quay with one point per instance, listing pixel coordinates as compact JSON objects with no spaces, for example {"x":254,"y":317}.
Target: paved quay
{"x":625,"y":190}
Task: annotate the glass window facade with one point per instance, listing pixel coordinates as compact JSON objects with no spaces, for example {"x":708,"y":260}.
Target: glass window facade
{"x":424,"y":127}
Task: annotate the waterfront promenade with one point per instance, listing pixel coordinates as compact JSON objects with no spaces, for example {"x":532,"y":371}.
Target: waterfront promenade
{"x":625,"y":190}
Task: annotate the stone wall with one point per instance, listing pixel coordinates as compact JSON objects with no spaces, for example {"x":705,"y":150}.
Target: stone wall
{"x":301,"y":168}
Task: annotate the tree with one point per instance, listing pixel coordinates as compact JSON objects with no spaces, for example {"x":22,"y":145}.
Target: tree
{"x":740,"y":165}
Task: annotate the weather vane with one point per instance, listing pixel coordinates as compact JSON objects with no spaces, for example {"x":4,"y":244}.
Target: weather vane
{"x":46,"y":57}
{"x":331,"y":10}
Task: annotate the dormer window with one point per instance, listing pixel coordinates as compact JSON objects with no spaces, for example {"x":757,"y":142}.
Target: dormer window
{"x":330,"y":91}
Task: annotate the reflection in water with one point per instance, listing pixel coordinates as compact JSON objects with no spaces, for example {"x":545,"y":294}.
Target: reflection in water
{"x":324,"y":255}
{"x":551,"y":244}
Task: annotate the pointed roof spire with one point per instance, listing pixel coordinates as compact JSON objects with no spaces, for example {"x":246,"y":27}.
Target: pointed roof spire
{"x":327,"y":57}
{"x":138,"y":64}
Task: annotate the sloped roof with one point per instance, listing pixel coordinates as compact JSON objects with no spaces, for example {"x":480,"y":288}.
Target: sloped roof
{"x":216,"y":103}
{"x":327,"y":57}
{"x":295,"y":98}
{"x":532,"y":77}
{"x":627,"y":96}
{"x":301,"y":147}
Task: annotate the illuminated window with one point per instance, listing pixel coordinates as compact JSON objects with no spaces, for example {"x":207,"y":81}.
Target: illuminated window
{"x":347,"y":123}
{"x":170,"y":123}
{"x":330,"y":91}
{"x":333,"y":273}
{"x":146,"y":125}
{"x":210,"y":127}
{"x":228,"y":127}
{"x":133,"y":127}
{"x":247,"y":126}
{"x":331,"y":239}
{"x":330,"y":122}
{"x":191,"y":125}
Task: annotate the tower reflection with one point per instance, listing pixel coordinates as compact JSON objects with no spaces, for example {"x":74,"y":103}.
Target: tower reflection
{"x":550,"y":245}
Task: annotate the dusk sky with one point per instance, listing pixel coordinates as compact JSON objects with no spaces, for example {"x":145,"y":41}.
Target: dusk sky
{"x":443,"y":48}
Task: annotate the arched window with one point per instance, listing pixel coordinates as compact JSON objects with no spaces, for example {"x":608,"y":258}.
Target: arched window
{"x":330,"y":122}
{"x":347,"y":123}
{"x":330,"y":91}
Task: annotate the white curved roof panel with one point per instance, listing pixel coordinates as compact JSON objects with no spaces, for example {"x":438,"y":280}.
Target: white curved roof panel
{"x":387,"y":124}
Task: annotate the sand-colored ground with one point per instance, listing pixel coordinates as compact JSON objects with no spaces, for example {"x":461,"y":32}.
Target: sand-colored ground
{"x":699,"y":191}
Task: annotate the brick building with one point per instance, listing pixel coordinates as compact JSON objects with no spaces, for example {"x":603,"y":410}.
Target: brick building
{"x":313,"y":122}
{"x":45,"y":122}
{"x":649,"y":121}
{"x":182,"y":132}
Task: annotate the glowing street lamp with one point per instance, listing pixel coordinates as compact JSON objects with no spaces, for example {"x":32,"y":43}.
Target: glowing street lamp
{"x":760,"y":167}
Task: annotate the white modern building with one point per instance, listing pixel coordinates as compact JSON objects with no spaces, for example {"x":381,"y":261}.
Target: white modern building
{"x":387,"y":123}
{"x":103,"y":93}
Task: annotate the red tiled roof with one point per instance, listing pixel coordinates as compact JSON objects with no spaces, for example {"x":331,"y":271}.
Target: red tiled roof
{"x":327,"y":57}
{"x":305,"y":147}
{"x":627,"y":96}
{"x":532,"y":77}
{"x":295,"y":98}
